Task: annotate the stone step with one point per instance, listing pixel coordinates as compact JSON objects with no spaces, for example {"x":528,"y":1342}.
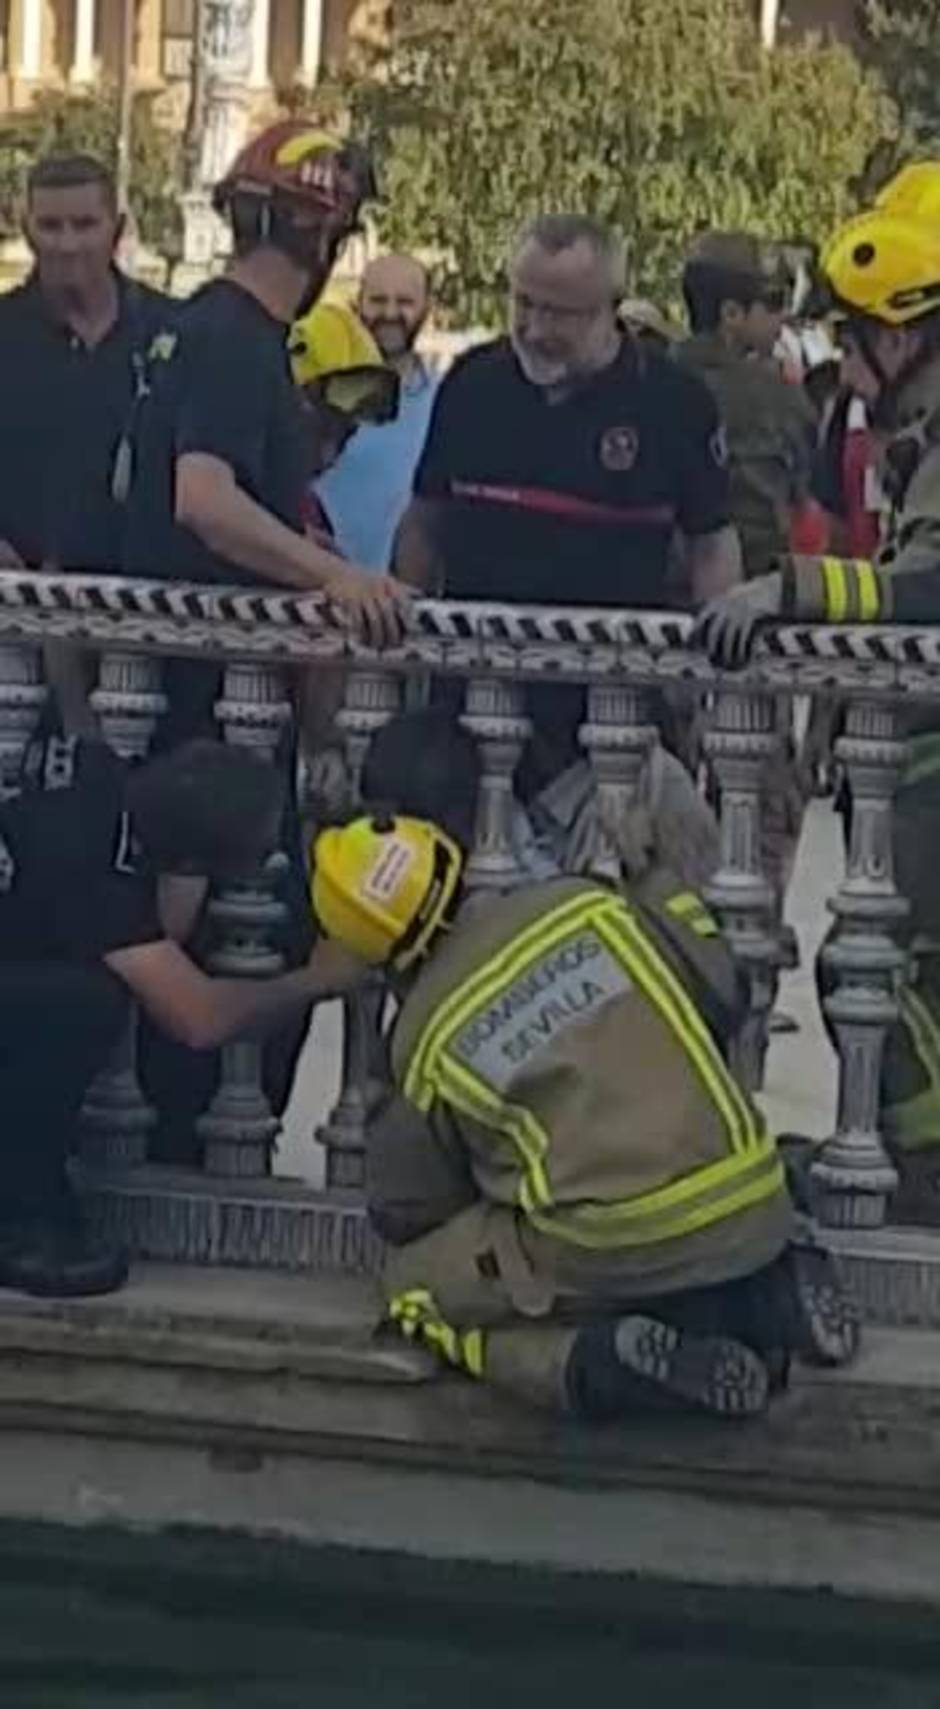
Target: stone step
{"x":263,"y":1402}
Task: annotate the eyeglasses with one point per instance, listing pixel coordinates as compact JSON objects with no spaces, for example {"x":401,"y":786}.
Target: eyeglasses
{"x":556,"y":314}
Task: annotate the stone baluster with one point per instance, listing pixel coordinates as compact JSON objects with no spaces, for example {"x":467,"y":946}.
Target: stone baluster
{"x":22,"y":693}
{"x":494,"y":713}
{"x":854,"y":1177}
{"x":239,"y":1126}
{"x":372,"y":697}
{"x":116,"y":1118}
{"x":740,"y":740}
{"x":617,"y":737}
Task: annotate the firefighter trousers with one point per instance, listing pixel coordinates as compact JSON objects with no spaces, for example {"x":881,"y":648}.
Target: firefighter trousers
{"x":467,"y":1277}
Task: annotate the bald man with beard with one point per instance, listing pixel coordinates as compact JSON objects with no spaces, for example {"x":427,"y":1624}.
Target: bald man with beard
{"x":367,"y":491}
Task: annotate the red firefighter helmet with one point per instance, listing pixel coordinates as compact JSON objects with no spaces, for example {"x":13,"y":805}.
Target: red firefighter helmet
{"x":301,"y":167}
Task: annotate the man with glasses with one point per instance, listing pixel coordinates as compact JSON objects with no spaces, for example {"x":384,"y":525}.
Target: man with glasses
{"x":562,"y":463}
{"x":560,"y":460}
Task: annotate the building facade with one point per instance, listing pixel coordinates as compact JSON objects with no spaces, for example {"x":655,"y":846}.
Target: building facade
{"x":64,"y":44}
{"x":75,"y":44}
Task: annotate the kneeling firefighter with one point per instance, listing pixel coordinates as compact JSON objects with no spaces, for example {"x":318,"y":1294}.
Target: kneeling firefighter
{"x":582,"y":1205}
{"x":883,"y":270}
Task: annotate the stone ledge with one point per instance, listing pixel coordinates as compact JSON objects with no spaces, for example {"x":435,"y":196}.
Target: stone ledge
{"x":177,"y":1216}
{"x":895,"y":1273}
{"x":182,"y":1216}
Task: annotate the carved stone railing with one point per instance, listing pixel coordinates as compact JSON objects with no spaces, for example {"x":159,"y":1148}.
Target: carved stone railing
{"x":261,"y":637}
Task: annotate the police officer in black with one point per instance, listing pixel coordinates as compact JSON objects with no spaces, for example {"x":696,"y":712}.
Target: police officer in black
{"x":73,"y":343}
{"x":103,"y":874}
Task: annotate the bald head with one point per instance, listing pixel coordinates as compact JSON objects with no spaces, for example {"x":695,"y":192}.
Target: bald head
{"x":393,"y":302}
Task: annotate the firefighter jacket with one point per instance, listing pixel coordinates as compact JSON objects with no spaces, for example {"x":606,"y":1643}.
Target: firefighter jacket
{"x":579,"y":1036}
{"x":903,"y":583}
{"x":771,"y":433}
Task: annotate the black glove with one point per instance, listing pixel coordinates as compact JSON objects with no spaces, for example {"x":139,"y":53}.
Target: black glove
{"x":727,"y":626}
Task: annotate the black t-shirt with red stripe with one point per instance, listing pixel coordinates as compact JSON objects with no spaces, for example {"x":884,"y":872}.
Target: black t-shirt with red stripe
{"x":574,"y":501}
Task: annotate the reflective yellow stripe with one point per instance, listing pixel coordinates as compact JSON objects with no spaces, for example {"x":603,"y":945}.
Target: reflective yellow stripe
{"x":418,"y":1317}
{"x":712,"y":1179}
{"x":499,"y":971}
{"x":472,"y":1348}
{"x":472,"y":1097}
{"x":836,"y":589}
{"x":668,"y":996}
{"x":679,"y":1207}
{"x":569,"y":1224}
{"x":689,"y":908}
{"x":869,"y":604}
{"x":682,"y":903}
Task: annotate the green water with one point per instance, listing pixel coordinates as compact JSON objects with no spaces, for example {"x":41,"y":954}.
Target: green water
{"x":102,"y":1621}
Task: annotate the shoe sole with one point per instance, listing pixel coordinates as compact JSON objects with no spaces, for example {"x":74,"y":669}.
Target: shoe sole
{"x":710,"y":1373}
{"x":829,"y":1327}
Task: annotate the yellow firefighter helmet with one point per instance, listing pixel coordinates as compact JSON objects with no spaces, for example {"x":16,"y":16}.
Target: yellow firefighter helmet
{"x":886,"y":263}
{"x":333,"y":353}
{"x":384,"y":887}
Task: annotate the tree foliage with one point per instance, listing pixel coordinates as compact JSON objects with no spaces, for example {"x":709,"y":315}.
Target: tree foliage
{"x":660,"y":118}
{"x":89,"y":124}
{"x":904,"y":36}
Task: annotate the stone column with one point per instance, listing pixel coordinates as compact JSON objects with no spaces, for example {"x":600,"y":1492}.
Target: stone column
{"x":239,"y":1126}
{"x":311,"y":42}
{"x":228,"y":60}
{"x":616,"y":736}
{"x":116,"y":1118}
{"x":29,"y":67}
{"x":82,"y":69}
{"x":741,"y":738}
{"x":854,"y":1176}
{"x":372,"y":697}
{"x":259,"y":77}
{"x":494,"y":712}
{"x":22,"y":693}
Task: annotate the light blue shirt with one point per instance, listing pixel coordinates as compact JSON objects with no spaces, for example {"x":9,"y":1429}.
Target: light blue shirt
{"x":365,"y":493}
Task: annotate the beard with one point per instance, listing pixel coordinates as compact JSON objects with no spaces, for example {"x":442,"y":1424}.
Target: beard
{"x":541,"y":369}
{"x":395,"y":336}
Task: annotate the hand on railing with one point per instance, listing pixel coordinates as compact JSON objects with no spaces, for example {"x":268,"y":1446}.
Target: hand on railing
{"x":374,"y":606}
{"x":727,"y":627}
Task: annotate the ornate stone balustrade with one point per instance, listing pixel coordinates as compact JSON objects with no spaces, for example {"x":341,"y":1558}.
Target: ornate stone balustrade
{"x":261,"y":637}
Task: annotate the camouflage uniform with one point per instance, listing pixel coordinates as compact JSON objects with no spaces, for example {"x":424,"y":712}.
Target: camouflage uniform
{"x":771,"y":432}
